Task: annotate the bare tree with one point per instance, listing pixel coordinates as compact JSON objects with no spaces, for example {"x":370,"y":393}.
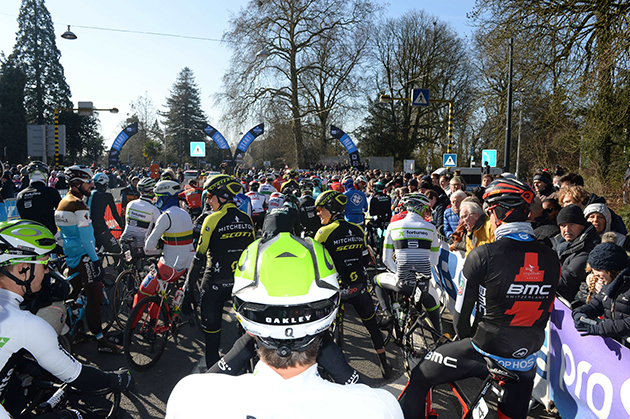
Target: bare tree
{"x":294,"y":76}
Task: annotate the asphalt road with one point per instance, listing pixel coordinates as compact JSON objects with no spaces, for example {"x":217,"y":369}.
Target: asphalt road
{"x":154,"y":386}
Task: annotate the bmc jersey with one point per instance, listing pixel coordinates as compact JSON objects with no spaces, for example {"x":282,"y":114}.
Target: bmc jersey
{"x":513,"y":283}
{"x":224,"y":235}
{"x":73,"y":219}
{"x":346,"y":244}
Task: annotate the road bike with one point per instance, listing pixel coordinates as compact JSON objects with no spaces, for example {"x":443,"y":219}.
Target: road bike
{"x":153,"y":319}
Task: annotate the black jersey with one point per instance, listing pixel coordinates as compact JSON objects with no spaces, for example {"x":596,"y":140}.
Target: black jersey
{"x":345,"y":242}
{"x":38,"y":203}
{"x":381,"y":206}
{"x":308,"y":214}
{"x":513,"y":283}
{"x":283,"y":219}
{"x":98,"y":203}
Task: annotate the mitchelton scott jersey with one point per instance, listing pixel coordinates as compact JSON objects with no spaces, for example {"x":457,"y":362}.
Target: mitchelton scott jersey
{"x":513,"y":283}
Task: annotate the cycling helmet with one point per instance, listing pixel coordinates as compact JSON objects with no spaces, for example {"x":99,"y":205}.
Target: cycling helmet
{"x":347,"y":182}
{"x":378,"y":187}
{"x":335,"y":178}
{"x":101,"y":179}
{"x":306,"y":185}
{"x":291,"y":200}
{"x":253,"y":186}
{"x":168,"y":174}
{"x":166,"y":192}
{"x":361,"y":179}
{"x":37,"y":171}
{"x":223,"y":186}
{"x":78,"y":173}
{"x":286,"y":292}
{"x":290,"y":174}
{"x":23,"y":241}
{"x":333,"y":201}
{"x":276,"y":200}
{"x":146,"y":186}
{"x":416,"y":202}
{"x":508,"y":198}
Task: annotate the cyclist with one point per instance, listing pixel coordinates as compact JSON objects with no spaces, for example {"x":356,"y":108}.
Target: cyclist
{"x":192,"y":195}
{"x":73,"y":219}
{"x":98,"y":202}
{"x":259,"y":204}
{"x":174,"y":227}
{"x":346,"y":243}
{"x":513,"y":282}
{"x":141,"y":215}
{"x":308,"y":214}
{"x":411,"y":247}
{"x":23,"y":264}
{"x":37,"y":202}
{"x":357,"y":202}
{"x":266,"y":188}
{"x":283,"y":218}
{"x":298,"y":277}
{"x":224,"y":235}
{"x":128,"y":194}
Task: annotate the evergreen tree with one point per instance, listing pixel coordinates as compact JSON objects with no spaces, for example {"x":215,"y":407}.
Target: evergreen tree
{"x":184,"y":118}
{"x":36,"y":52}
{"x":12,"y":114}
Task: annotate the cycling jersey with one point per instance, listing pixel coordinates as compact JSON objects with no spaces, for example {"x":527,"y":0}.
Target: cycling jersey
{"x":73,"y":219}
{"x":266,"y":189}
{"x":38,"y":203}
{"x":380,"y":205}
{"x":192,"y":195}
{"x":415,"y":245}
{"x":271,"y":396}
{"x":308,"y":215}
{"x":259,"y":202}
{"x":127,"y":195}
{"x":22,"y":332}
{"x":356,"y":206}
{"x":282,"y":219}
{"x":98,"y":203}
{"x":140,"y":216}
{"x":174,"y":227}
{"x":243,"y":203}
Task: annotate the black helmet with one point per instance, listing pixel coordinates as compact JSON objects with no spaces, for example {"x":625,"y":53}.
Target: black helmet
{"x":333,"y":201}
{"x":508,"y":193}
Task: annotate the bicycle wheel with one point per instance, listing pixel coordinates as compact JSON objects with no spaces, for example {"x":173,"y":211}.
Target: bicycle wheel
{"x":107,"y":308}
{"x":417,"y":340}
{"x":145,"y":338}
{"x":126,"y":286}
{"x":380,"y":313}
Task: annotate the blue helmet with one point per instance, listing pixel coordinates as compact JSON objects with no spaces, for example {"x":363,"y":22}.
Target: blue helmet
{"x":166,"y":192}
{"x":100,"y":179}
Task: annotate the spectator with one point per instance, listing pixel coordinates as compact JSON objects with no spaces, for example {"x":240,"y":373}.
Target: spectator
{"x":551,"y":207}
{"x":478,"y":226}
{"x":599,"y":216}
{"x":61,"y":182}
{"x":457,"y":184}
{"x":8,"y":188}
{"x":578,"y":238}
{"x":544,"y":228}
{"x":444,"y":182}
{"x":608,"y":263}
{"x":451,"y":215}
{"x":575,"y":194}
{"x":543,"y":186}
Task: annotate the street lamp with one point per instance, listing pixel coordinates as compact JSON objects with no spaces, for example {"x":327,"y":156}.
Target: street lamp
{"x":68,"y":34}
{"x":85,"y":109}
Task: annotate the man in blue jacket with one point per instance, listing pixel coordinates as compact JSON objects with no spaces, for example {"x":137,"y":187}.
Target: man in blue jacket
{"x":357,"y":202}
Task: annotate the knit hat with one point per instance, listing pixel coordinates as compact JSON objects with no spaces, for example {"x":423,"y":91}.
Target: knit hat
{"x":600,"y":208}
{"x":571,"y":214}
{"x":425,"y":185}
{"x":608,"y":257}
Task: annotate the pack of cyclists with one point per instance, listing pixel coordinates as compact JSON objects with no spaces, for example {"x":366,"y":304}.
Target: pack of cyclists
{"x":204,"y":239}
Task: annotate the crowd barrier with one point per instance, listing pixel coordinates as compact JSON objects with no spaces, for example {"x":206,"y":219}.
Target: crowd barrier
{"x":585,"y":376}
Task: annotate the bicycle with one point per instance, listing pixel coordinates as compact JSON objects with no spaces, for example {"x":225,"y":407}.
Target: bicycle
{"x":409,"y":327}
{"x":476,"y":407}
{"x":151,"y":321}
{"x":375,"y":235}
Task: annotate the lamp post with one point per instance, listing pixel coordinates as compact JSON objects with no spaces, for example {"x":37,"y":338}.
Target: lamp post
{"x":85,"y":108}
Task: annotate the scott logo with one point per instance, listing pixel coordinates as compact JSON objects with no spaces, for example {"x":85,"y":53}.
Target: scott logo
{"x":528,"y":289}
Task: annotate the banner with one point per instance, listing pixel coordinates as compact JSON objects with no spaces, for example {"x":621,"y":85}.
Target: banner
{"x":348,"y":144}
{"x":589,"y":375}
{"x":249,"y":137}
{"x":446,"y":275}
{"x":217,"y":137}
{"x":119,"y":142}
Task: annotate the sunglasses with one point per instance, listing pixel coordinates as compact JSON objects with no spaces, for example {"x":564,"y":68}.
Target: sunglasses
{"x":37,"y":262}
{"x":550,"y":210}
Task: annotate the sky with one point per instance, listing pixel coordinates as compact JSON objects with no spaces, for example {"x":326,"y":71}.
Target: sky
{"x":112,"y":69}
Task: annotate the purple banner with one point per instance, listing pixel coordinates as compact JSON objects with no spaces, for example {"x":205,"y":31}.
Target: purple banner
{"x":589,"y":375}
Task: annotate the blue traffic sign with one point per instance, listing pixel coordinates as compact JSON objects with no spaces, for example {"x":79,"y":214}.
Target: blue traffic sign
{"x":449,"y":160}
{"x":420,"y":97}
{"x":489,"y":156}
{"x":197,"y":149}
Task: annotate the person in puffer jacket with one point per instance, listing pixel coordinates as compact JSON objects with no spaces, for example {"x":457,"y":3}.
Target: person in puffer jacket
{"x":610,"y":263}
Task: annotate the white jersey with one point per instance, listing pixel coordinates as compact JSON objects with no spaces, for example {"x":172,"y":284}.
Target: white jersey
{"x":267,"y":189}
{"x":19,"y":330}
{"x":415,"y":244}
{"x":266,"y":395}
{"x":175,"y":227}
{"x":140,"y":217}
{"x":258,"y":202}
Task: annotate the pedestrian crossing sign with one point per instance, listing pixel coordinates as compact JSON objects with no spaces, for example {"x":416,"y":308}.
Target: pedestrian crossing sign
{"x":197,"y":149}
{"x":449,"y":160}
